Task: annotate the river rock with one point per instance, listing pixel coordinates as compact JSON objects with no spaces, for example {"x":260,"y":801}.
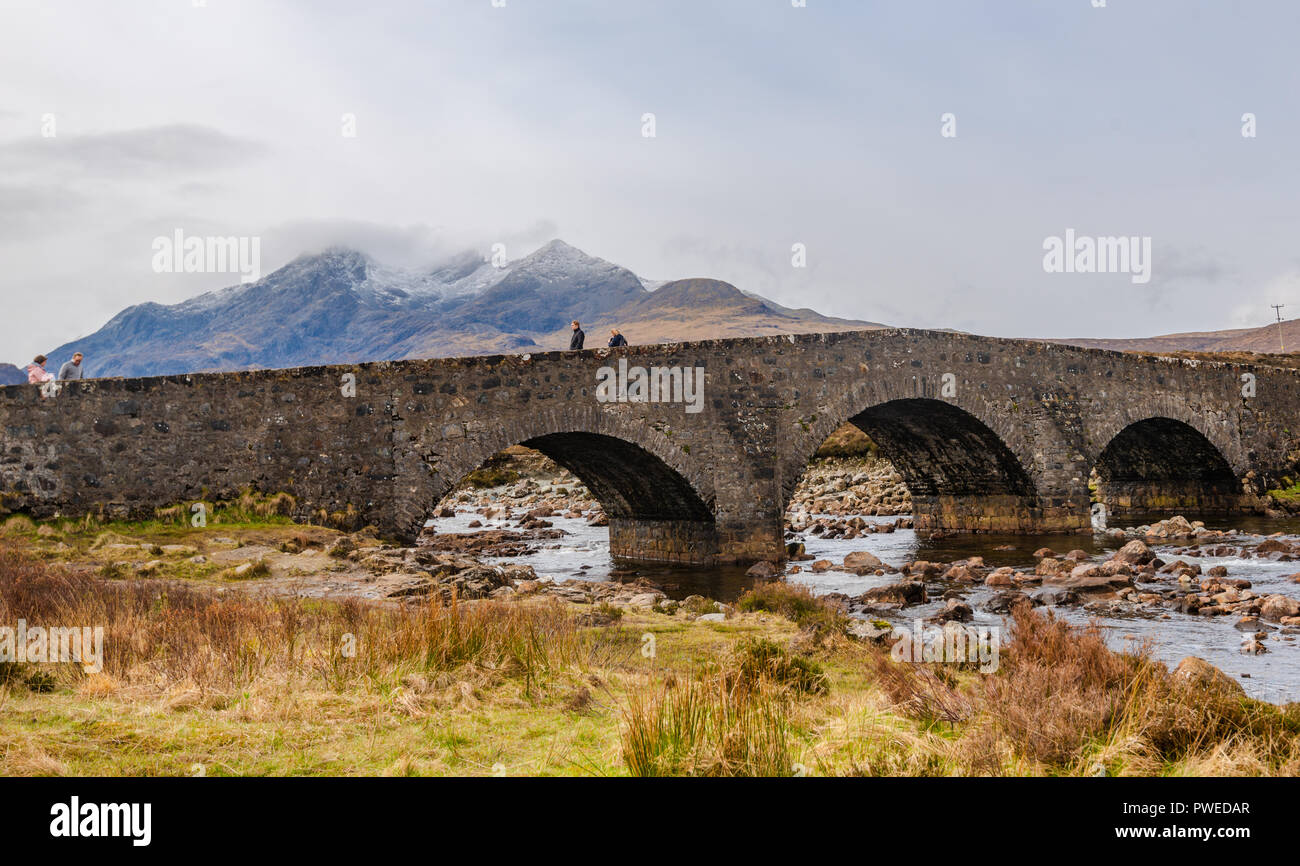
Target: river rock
{"x":1275,"y":607}
{"x":1198,"y":672}
{"x":1056,"y":597}
{"x":1134,"y":553}
{"x":955,"y":611}
{"x":904,"y":593}
{"x":922,"y":568}
{"x":862,"y":560}
{"x":1113,"y":567}
{"x":867,"y":630}
{"x":1001,"y":577}
{"x":1049,"y":566}
{"x":763,"y":570}
{"x":1005,"y":601}
{"x":960,"y":573}
{"x":1089,"y":578}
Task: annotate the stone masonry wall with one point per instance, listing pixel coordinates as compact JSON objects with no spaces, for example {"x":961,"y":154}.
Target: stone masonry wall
{"x":994,"y":434}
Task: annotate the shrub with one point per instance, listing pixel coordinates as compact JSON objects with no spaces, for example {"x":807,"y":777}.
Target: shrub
{"x":795,"y":602}
{"x":491,"y":477}
{"x":847,"y":441}
{"x":19,"y":524}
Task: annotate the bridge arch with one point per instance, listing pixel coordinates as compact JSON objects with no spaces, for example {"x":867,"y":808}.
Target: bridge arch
{"x":1217,"y":428}
{"x":968,"y":468}
{"x":1162,"y":465}
{"x":660,"y":504}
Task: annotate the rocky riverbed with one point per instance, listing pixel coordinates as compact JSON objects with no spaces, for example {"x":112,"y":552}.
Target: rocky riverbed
{"x":528,"y":482}
{"x":1174,"y":583}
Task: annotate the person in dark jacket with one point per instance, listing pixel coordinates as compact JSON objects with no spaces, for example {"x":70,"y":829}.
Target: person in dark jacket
{"x":575,"y":342}
{"x":616,"y":339}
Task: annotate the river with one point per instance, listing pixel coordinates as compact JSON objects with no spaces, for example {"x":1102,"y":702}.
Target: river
{"x":583,"y":553}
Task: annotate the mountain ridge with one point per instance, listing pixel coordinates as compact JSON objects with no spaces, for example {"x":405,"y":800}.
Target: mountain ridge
{"x":1273,"y":338}
{"x":340,"y":305}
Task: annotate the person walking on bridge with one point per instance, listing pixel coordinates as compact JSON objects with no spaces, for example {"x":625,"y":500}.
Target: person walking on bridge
{"x":36,"y":372}
{"x":616,"y":338}
{"x":72,"y":369}
{"x":576,"y":341}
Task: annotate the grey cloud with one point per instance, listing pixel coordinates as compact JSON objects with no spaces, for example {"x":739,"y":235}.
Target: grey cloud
{"x":1198,"y":265}
{"x":411,"y":246}
{"x":134,"y":152}
{"x":28,"y":210}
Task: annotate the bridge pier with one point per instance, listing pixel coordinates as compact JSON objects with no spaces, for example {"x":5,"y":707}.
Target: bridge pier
{"x":1169,"y":497}
{"x":1000,"y":513}
{"x":699,"y":543}
{"x":687,"y":542}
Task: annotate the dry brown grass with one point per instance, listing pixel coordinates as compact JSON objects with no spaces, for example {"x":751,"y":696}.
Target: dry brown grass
{"x":1063,"y":702}
{"x":168,"y":637}
{"x":733,"y":699}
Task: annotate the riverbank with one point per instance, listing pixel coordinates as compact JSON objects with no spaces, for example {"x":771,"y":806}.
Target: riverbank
{"x":216,"y":669}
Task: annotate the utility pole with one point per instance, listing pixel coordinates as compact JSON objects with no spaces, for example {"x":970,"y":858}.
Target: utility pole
{"x":1277,"y":309}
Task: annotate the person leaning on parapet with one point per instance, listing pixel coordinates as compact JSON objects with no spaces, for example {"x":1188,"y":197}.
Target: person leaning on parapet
{"x":575,"y":342}
{"x":72,"y":369}
{"x":616,"y":339}
{"x":36,"y":372}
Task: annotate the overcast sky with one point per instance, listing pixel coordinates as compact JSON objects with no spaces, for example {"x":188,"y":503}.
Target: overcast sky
{"x":775,"y":125}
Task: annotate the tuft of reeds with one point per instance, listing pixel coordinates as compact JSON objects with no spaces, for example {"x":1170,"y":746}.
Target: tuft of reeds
{"x":714,"y":726}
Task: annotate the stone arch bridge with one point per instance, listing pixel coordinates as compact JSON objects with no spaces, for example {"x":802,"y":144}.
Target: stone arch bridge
{"x":989,"y":434}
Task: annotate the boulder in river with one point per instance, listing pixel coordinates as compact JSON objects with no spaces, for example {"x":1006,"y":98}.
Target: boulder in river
{"x":1088,"y":578}
{"x":904,"y":593}
{"x":1134,"y":553}
{"x":861,"y":560}
{"x":1001,"y":577}
{"x":1273,"y":545}
{"x":1006,"y":601}
{"x":1276,"y":607}
{"x":955,"y":611}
